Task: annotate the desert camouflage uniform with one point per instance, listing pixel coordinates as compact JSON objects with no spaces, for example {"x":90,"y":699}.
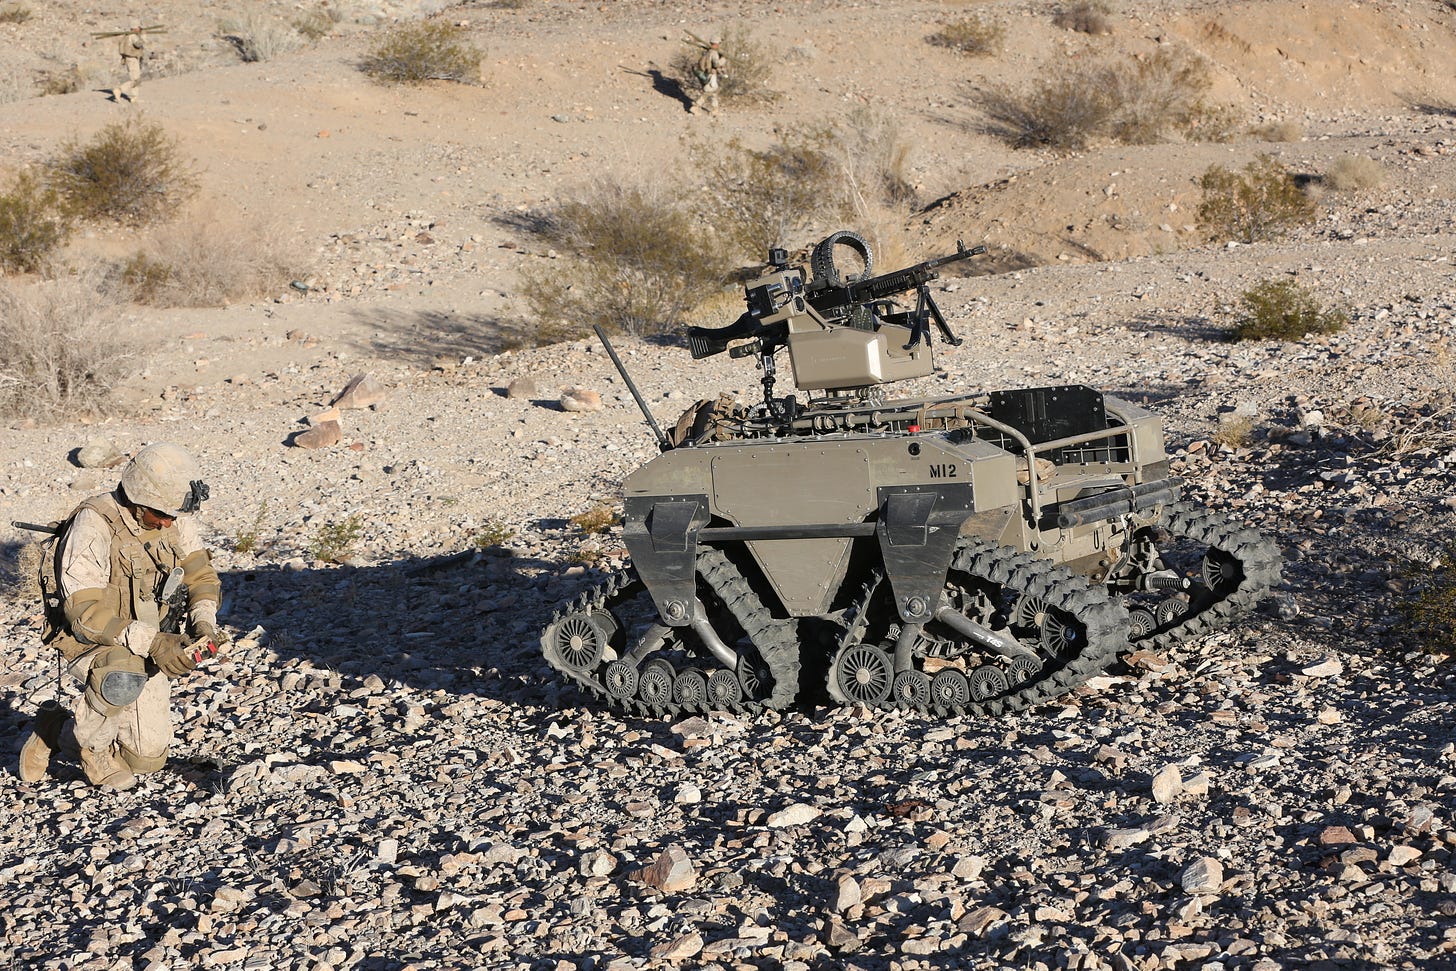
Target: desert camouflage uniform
{"x":111,"y":571}
{"x":711,"y":64}
{"x":116,"y":555}
{"x":133,"y":49}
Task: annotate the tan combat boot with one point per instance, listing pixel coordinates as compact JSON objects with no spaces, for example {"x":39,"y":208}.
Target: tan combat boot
{"x":42,"y":743}
{"x":104,"y":770}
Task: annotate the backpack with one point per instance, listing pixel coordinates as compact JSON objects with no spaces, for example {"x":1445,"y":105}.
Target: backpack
{"x":48,"y":573}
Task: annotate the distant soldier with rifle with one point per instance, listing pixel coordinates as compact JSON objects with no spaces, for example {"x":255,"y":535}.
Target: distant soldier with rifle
{"x":133,"y":48}
{"x":711,"y":63}
{"x":131,"y":603}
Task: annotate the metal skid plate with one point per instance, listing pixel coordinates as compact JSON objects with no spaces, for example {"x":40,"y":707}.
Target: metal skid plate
{"x":918,"y":528}
{"x":660,"y":533}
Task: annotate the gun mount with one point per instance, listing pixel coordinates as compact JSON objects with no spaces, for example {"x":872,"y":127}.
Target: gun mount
{"x":844,"y":331}
{"x":978,"y":552}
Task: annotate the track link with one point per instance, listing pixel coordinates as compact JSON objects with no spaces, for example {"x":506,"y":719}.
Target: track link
{"x":1259,"y":567}
{"x":768,"y":678}
{"x":1093,"y":628}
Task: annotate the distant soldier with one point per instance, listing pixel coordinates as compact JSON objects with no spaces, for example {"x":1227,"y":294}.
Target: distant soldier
{"x":709,"y":66}
{"x":133,"y":49}
{"x":139,"y":600}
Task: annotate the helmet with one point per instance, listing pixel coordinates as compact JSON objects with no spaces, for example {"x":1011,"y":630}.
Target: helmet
{"x":715,"y":40}
{"x":164,"y":477}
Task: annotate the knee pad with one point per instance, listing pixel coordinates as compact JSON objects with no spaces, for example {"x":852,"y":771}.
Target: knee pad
{"x":142,"y":764}
{"x":116,"y":679}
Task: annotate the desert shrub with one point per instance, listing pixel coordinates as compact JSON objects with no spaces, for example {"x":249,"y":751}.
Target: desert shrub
{"x":210,"y":262}
{"x":258,"y":37}
{"x":876,"y":157}
{"x":1063,"y":111}
{"x":66,"y":81}
{"x":811,"y":179}
{"x":1286,"y":130}
{"x":977,"y":36}
{"x":33,"y":225}
{"x":1260,"y":202}
{"x":639,"y":261}
{"x":1351,"y":173}
{"x":747,"y":73}
{"x":431,"y":50}
{"x":334,"y":542}
{"x":493,"y":534}
{"x":131,"y":171}
{"x":13,"y":86}
{"x":1431,"y":609}
{"x":59,"y":352}
{"x":247,"y":540}
{"x":1084,"y":16}
{"x":760,"y":198}
{"x":597,"y":519}
{"x":314,"y":25}
{"x":1135,"y":101}
{"x":14,"y":13}
{"x":1234,"y":431}
{"x":1283,"y":310}
{"x":1160,"y":95}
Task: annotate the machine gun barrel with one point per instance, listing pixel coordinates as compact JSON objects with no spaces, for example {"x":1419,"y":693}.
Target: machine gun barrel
{"x":889,"y":284}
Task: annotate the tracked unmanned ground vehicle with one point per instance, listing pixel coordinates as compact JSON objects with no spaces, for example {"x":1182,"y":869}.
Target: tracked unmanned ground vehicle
{"x":975,"y":553}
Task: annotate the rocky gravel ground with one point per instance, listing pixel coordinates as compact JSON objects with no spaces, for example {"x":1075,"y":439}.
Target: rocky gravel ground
{"x":382,"y":773}
{"x":388,"y":777}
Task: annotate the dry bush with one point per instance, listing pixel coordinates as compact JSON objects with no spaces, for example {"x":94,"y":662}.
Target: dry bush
{"x":1134,"y":101}
{"x":336,"y":542}
{"x":131,"y":171}
{"x":258,"y":37}
{"x":1351,"y":173}
{"x":1261,"y":202}
{"x":211,"y":262}
{"x":1286,"y":130}
{"x":1161,"y":95}
{"x":976,"y":36}
{"x":1234,"y":431}
{"x":1431,"y":610}
{"x":13,"y":86}
{"x":1085,"y":16}
{"x":761,"y":198}
{"x":14,"y":13}
{"x":314,"y":25}
{"x":1283,"y":310}
{"x":59,"y":351}
{"x":811,"y":180}
{"x":65,"y":81}
{"x":876,"y":157}
{"x":639,"y":261}
{"x":597,"y":519}
{"x":493,"y":534}
{"x":1063,"y":111}
{"x":746,"y":75}
{"x":33,"y":225}
{"x":431,"y":50}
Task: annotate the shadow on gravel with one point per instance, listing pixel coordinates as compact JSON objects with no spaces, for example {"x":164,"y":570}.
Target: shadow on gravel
{"x":422,"y":337}
{"x":467,"y":622}
{"x":1192,"y":328}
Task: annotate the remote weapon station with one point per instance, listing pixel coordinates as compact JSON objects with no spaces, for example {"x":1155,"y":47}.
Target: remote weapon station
{"x":974,"y":553}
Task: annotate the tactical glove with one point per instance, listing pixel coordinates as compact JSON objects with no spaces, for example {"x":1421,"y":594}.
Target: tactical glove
{"x":174,"y":655}
{"x":206,"y":631}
